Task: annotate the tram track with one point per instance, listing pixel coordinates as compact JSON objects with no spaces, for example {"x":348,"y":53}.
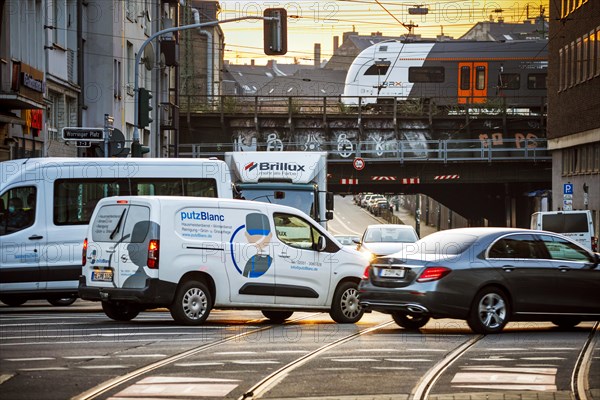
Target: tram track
{"x":579,"y":379}
{"x":120,"y":380}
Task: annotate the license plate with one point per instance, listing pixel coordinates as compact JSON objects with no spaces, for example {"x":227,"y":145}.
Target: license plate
{"x":102,"y":276}
{"x":392,"y":273}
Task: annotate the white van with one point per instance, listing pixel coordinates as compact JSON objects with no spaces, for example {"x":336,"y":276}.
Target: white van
{"x":577,"y":225}
{"x":46,"y":205}
{"x":194,"y":254}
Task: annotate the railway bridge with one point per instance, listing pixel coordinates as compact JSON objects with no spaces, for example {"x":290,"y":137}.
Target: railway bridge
{"x":484,"y":162}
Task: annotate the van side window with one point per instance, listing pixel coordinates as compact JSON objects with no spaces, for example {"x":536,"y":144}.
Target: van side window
{"x":74,"y":200}
{"x":19,"y":210}
{"x":197,"y":187}
{"x":297,"y":232}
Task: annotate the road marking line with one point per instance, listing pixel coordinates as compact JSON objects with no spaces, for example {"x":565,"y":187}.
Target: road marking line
{"x":141,"y":356}
{"x":355,"y":359}
{"x":164,"y":387}
{"x":4,"y":378}
{"x":408,"y":359}
{"x":533,"y":370}
{"x":538,"y":388}
{"x":43,"y":369}
{"x":83,"y":357}
{"x":200,"y":364}
{"x":543,"y":358}
{"x":104,"y":366}
{"x":235,"y":353}
{"x":30,"y":359}
{"x":254,"y":362}
{"x":504,"y":378}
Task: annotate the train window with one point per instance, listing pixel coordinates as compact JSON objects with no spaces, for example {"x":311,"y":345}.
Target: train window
{"x":465,"y":78}
{"x":379,"y":68}
{"x":426,"y":74}
{"x":480,"y":78}
{"x":509,"y":81}
{"x":383,"y":48}
{"x":536,"y":81}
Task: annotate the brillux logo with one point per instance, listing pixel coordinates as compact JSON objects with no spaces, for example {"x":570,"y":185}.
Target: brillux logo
{"x":251,"y":166}
{"x":274,"y":166}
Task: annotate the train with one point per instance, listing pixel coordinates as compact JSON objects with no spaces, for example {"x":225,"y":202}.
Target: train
{"x":448,"y":73}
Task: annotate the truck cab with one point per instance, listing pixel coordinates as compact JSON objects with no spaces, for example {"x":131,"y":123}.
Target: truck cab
{"x":295,"y":179}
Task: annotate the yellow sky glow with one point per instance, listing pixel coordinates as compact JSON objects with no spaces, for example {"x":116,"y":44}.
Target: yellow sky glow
{"x":320,"y":21}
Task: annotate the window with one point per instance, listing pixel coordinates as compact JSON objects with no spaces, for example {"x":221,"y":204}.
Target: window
{"x":597,"y":41}
{"x":516,"y":246}
{"x":130,"y":68}
{"x":465,"y":78}
{"x":578,"y":61}
{"x":480,"y":78}
{"x":75,"y":199}
{"x":17,"y":209}
{"x":561,"y":69}
{"x":509,"y":81}
{"x":426,"y":74}
{"x":592,"y":55}
{"x":379,"y":68}
{"x":572,"y":65}
{"x":562,"y":249}
{"x":296,"y":232}
{"x":536,"y":81}
{"x":585,"y":60}
{"x":117,"y":79}
{"x":59,"y":23}
{"x":122,"y":224}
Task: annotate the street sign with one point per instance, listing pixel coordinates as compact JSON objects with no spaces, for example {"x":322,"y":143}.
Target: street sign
{"x":358,"y":163}
{"x":83,"y":143}
{"x":568,"y":188}
{"x":87,"y":134}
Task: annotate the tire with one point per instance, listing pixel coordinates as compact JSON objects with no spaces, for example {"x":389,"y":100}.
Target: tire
{"x":490,"y":311}
{"x":566,"y":322}
{"x":120,"y":311}
{"x":345,"y":308}
{"x":409,"y":321}
{"x":192,"y":303}
{"x":277,"y":317}
{"x":61,"y":302}
{"x":14,"y":301}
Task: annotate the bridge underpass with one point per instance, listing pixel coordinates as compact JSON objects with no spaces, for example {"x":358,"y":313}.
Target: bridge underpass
{"x":482,"y":164}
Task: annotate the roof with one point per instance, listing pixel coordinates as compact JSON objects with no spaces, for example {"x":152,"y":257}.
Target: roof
{"x":307,"y":82}
{"x":501,"y":31}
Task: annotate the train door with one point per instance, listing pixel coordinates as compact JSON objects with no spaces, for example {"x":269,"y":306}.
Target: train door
{"x":472,"y":82}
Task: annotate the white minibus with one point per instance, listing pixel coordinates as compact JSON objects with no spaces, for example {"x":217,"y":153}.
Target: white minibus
{"x":46,"y":205}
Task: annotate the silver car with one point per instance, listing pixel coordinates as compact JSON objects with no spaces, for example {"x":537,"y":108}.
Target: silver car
{"x":486,"y":276}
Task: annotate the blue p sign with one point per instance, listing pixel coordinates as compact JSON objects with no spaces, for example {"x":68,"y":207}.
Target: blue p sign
{"x":568,"y":188}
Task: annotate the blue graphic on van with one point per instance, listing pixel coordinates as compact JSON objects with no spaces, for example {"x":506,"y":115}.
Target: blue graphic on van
{"x":258,"y":233}
{"x":201,"y":216}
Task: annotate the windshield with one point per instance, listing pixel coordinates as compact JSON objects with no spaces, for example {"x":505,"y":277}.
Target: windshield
{"x":302,"y":200}
{"x":390,"y":235}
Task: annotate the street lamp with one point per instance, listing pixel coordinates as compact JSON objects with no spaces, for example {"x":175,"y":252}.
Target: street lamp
{"x":276,"y":43}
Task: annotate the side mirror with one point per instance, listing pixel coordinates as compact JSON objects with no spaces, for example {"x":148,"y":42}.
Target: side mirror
{"x":328,"y":215}
{"x":329,"y":201}
{"x":321,"y":243}
{"x":356,"y":240}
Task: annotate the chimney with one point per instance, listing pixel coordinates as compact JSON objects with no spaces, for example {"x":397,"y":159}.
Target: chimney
{"x":317,"y":55}
{"x":336,"y":43}
{"x":252,"y":62}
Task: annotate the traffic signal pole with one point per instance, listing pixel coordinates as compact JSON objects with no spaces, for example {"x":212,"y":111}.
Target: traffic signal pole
{"x":136,"y":146}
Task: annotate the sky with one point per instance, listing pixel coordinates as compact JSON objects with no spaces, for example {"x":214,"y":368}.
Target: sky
{"x":311,"y":21}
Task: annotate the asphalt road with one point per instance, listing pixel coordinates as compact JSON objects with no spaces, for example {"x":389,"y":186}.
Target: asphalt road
{"x":59,"y":353}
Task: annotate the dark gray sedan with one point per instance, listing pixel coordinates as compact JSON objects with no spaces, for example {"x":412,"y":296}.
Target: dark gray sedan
{"x":486,"y":276}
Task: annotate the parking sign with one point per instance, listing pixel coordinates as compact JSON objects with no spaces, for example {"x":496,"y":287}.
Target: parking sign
{"x":568,"y":188}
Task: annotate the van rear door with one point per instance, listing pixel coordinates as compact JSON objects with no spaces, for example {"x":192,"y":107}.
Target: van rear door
{"x":118,"y":249}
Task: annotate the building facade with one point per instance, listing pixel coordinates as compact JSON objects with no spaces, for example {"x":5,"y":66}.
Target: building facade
{"x":574,"y":105}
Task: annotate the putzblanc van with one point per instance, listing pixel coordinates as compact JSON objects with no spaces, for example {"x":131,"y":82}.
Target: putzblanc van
{"x":577,"y":225}
{"x":194,"y":254}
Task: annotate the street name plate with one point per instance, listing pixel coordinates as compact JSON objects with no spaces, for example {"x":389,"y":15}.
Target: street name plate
{"x":87,"y":134}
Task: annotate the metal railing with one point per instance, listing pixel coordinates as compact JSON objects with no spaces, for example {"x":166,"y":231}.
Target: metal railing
{"x":366,"y":105}
{"x":442,"y":151}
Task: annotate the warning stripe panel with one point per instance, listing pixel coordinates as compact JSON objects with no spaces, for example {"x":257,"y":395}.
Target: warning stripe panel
{"x":349,"y":181}
{"x":445,"y":177}
{"x":383,"y":178}
{"x":411,"y":181}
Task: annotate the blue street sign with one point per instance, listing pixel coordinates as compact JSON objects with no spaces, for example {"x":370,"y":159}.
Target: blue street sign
{"x":568,"y":188}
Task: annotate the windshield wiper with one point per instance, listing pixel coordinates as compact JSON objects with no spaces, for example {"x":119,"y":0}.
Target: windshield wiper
{"x":118,"y":227}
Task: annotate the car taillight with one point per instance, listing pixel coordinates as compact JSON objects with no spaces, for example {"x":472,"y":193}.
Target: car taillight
{"x":594,"y":244}
{"x":84,"y":252}
{"x":153,"y":251}
{"x":433,"y":274}
{"x":365,"y":276}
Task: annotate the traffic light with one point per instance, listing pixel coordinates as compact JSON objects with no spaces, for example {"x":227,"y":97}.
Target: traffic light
{"x":275,"y":32}
{"x":144,"y":108}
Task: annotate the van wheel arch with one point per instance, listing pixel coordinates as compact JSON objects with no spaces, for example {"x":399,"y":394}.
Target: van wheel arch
{"x":201,"y":277}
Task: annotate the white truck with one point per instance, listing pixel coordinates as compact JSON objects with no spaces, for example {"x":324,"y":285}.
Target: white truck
{"x":292,"y":178}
